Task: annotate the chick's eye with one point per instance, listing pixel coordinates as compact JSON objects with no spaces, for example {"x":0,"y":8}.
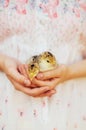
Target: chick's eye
{"x":48,"y":61}
{"x":32,"y":65}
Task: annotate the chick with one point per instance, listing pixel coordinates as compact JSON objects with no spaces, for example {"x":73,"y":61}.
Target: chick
{"x":47,"y":61}
{"x":40,"y":63}
{"x":33,"y":70}
{"x":34,"y":59}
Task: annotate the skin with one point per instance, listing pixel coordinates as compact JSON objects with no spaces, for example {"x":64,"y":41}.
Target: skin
{"x":10,"y":67}
{"x":45,"y":83}
{"x":14,"y":69}
{"x":23,"y":70}
{"x":61,"y":74}
{"x":54,"y":77}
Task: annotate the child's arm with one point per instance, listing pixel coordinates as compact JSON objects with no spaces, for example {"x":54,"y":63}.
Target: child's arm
{"x":9,"y":66}
{"x":64,"y":72}
{"x":77,"y":70}
{"x":60,"y":74}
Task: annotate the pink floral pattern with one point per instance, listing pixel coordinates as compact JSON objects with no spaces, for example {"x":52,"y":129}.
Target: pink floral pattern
{"x":50,"y":8}
{"x":20,"y":7}
{"x":6,"y":3}
{"x":58,"y":23}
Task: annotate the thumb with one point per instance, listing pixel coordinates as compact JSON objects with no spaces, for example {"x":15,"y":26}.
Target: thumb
{"x":55,"y":73}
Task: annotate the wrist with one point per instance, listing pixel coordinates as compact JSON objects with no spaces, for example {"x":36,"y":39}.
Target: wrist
{"x":69,"y":73}
{"x":72,"y":72}
{"x":77,"y":70}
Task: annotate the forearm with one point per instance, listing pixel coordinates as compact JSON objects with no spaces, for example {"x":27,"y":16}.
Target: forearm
{"x":77,"y":70}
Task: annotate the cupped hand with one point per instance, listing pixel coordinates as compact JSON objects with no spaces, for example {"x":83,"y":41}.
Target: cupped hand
{"x":20,"y":81}
{"x":53,"y":77}
{"x":23,"y":69}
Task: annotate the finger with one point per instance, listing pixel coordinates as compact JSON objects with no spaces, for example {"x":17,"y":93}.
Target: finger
{"x":26,"y":69}
{"x":31,"y":92}
{"x":22,"y":70}
{"x":50,"y":83}
{"x":48,"y":94}
{"x":51,"y":74}
{"x":18,"y":77}
{"x":36,"y":92}
{"x":33,"y":85}
{"x":40,"y":83}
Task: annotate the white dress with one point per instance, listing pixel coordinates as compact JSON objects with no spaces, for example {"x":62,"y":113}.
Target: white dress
{"x":47,"y":26}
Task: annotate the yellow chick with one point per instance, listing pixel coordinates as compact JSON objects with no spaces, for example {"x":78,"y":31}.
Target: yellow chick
{"x":33,"y":70}
{"x":34,"y":59}
{"x":47,"y":61}
{"x":40,"y":63}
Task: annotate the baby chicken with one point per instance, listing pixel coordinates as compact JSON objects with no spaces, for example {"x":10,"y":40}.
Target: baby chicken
{"x":43,"y":62}
{"x":34,"y":59}
{"x":46,"y":61}
{"x":33,"y":70}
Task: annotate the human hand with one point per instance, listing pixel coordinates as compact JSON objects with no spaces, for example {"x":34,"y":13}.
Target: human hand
{"x":19,"y":81}
{"x":23,"y":69}
{"x":53,"y":77}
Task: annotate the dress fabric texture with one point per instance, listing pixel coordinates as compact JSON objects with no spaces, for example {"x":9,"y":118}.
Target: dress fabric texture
{"x":37,"y":26}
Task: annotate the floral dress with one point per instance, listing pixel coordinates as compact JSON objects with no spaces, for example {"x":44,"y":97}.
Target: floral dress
{"x":30,"y":27}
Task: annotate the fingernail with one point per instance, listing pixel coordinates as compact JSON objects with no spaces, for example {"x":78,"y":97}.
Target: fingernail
{"x":27,"y":82}
{"x":46,"y":89}
{"x":39,"y":76}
